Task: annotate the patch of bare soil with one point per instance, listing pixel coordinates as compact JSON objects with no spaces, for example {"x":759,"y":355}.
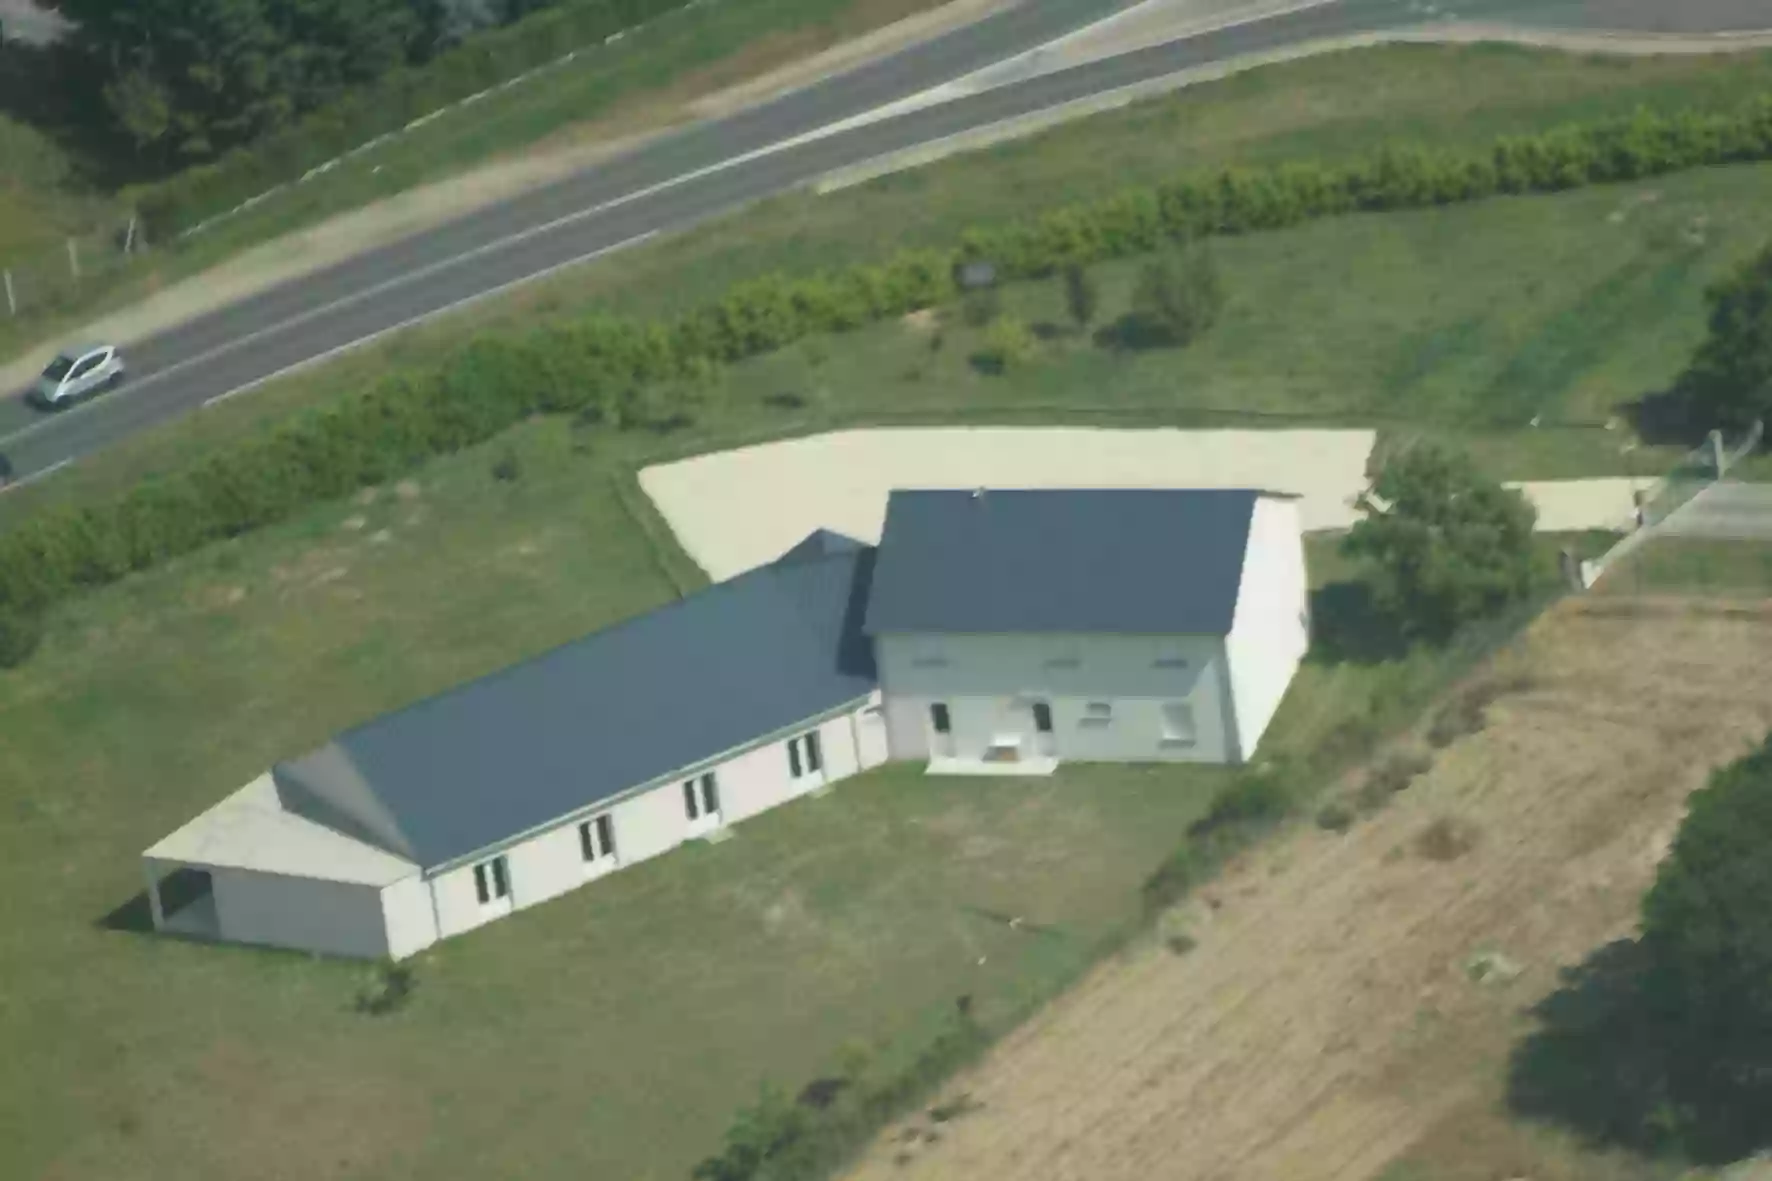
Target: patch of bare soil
{"x":1352,"y":998}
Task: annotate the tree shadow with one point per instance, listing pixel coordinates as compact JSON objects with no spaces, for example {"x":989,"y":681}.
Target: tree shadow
{"x":1605,"y":1065}
{"x":1349,"y":627}
{"x":48,"y":88}
{"x":1665,"y":417}
{"x":1133,"y":333}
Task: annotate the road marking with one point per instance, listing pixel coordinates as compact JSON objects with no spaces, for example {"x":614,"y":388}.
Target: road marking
{"x":360,"y":341}
{"x":57,"y":466}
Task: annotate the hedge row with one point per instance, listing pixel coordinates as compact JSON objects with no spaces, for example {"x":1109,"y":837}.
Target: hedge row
{"x":388,"y":104}
{"x":595,"y":364}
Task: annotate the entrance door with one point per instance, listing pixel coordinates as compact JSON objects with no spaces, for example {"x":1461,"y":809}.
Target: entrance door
{"x":1045,"y":740}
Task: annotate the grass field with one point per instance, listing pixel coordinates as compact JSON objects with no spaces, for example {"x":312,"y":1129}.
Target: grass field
{"x":1469,"y":319}
{"x":1724,"y":569}
{"x":640,"y":84}
{"x":611,"y":1032}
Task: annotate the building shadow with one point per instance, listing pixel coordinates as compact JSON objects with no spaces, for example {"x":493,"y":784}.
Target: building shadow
{"x":1606,"y":1066}
{"x":134,"y":917}
{"x":1349,"y":627}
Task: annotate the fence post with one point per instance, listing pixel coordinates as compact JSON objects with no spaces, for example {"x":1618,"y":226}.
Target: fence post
{"x":129,"y":236}
{"x":1719,"y":458}
{"x":74,"y":258}
{"x":11,"y":297}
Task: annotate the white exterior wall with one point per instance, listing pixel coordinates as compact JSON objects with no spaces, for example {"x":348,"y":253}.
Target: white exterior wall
{"x":648,"y":823}
{"x":988,"y":680}
{"x":1272,"y":628}
{"x":335,"y":918}
{"x":407,"y":916}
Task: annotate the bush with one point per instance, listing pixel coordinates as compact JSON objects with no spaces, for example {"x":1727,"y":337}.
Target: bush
{"x":1178,"y":297}
{"x":1008,"y":344}
{"x":1729,"y":380}
{"x":508,"y":468}
{"x":1446,"y":839}
{"x":583,"y":367}
{"x":1392,"y":776}
{"x":1335,"y":817}
{"x":1256,"y":800}
{"x":21,"y":630}
{"x":1445,"y":544}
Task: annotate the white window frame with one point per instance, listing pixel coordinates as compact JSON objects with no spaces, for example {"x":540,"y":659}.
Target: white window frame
{"x":1185,"y":734}
{"x":596,"y":843}
{"x":701,"y":802}
{"x":1098,"y":715}
{"x":492,"y":884}
{"x":806,"y":756}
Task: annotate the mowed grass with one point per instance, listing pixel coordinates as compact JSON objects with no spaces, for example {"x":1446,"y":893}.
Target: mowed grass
{"x":1685,"y":565}
{"x":1471,"y":319}
{"x":611,"y":1032}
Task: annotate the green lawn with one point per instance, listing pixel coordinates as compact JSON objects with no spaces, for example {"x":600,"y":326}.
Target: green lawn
{"x":610,"y":1032}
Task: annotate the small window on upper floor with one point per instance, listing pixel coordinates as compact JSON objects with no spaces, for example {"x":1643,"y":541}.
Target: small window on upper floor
{"x":1169,"y":662}
{"x":1063,"y":662}
{"x":929,"y":662}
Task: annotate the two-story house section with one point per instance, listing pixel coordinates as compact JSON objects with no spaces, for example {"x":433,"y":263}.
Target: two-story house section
{"x":1020,"y":628}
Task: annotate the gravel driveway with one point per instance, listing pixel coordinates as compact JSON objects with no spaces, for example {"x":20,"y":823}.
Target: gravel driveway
{"x":733,"y":510}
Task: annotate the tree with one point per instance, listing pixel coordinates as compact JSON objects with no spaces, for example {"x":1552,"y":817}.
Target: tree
{"x":1178,"y":296}
{"x":1008,"y":344}
{"x":1081,"y":295}
{"x":1707,"y":933}
{"x":1729,"y":381}
{"x":1447,"y":544}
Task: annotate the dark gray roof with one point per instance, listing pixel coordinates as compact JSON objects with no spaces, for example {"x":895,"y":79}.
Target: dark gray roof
{"x":1151,"y":561}
{"x":586,"y":721}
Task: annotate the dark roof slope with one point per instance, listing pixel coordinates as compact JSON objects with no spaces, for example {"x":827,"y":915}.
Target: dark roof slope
{"x":586,"y":721}
{"x":1153,"y":561}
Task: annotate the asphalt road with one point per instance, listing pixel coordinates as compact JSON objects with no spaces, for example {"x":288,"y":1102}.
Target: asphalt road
{"x":702,"y":173}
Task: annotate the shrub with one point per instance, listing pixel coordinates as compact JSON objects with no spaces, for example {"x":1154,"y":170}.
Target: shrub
{"x":981,"y":307}
{"x":1082,"y":295}
{"x":508,"y":468}
{"x":1008,"y":344}
{"x":388,"y":992}
{"x":1335,"y":816}
{"x":1392,"y":776}
{"x":21,"y":630}
{"x":1446,"y":839}
{"x":1178,"y":297}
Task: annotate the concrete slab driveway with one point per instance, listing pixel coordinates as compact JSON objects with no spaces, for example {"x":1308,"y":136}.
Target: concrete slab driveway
{"x":1726,"y":512}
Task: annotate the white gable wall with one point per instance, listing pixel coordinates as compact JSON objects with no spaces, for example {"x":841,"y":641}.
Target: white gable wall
{"x":548,"y":864}
{"x":987,"y":681}
{"x":1272,"y":627}
{"x":336,"y":918}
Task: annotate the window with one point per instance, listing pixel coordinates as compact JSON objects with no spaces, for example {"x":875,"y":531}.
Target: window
{"x":596,"y":838}
{"x":1178,"y":724}
{"x":88,"y":364}
{"x":1063,"y":662}
{"x":805,"y":756}
{"x":1042,"y":717}
{"x":1170,"y":662}
{"x":1097,"y":714}
{"x":940,"y":719}
{"x":491,"y":881}
{"x":701,"y":797}
{"x":929,"y":662}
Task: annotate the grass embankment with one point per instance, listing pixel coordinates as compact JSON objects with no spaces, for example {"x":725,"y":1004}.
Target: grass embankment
{"x":1470,"y":319}
{"x":612,"y":1031}
{"x":642,"y":83}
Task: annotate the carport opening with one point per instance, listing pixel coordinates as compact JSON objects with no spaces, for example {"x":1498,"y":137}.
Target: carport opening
{"x":187,"y":903}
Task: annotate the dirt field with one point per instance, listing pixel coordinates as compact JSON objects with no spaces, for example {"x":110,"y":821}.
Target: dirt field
{"x":1326,"y":1023}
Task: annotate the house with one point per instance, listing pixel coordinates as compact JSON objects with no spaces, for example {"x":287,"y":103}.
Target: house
{"x":517,"y":787}
{"x":989,"y":631}
{"x":1018,"y":629}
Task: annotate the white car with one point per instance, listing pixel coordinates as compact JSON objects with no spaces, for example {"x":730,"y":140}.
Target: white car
{"x":78,"y":373}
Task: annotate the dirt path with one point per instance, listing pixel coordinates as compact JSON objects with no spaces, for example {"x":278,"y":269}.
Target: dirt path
{"x":1326,"y":1023}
